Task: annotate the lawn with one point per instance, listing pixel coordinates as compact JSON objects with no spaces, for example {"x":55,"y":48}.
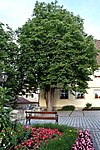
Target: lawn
{"x":45,"y":137}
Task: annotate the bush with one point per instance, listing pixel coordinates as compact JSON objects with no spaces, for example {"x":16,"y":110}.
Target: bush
{"x":10,"y":137}
{"x":68,"y":107}
{"x":4,"y":111}
{"x":88,"y":105}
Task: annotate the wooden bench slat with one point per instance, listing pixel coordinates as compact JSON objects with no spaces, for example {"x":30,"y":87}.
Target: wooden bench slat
{"x":40,"y":117}
{"x":41,"y":112}
{"x":29,"y":115}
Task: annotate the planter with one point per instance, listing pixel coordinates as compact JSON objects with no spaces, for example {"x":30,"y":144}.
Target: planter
{"x":91,"y":109}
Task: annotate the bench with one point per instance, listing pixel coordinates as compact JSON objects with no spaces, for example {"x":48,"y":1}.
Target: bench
{"x":44,"y":115}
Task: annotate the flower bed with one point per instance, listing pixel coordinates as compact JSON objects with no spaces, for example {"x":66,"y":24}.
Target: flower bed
{"x":45,"y":137}
{"x":37,"y":137}
{"x":83,"y":142}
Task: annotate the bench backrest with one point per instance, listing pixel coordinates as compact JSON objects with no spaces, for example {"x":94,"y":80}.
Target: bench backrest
{"x":41,"y":112}
{"x":29,"y":115}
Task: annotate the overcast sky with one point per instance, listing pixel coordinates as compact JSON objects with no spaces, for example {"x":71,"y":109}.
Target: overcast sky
{"x":16,"y":12}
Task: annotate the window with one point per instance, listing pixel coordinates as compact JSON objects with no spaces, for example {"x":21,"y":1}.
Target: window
{"x":32,"y":95}
{"x":63,"y":94}
{"x":27,"y":90}
{"x":80,"y":95}
{"x":97,"y":74}
{"x":20,"y":94}
{"x":26,"y":95}
{"x":97,"y":93}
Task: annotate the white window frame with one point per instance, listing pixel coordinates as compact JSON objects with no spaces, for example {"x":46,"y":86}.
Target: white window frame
{"x":97,"y":73}
{"x":64,"y":94}
{"x":97,"y":93}
{"x":80,"y":95}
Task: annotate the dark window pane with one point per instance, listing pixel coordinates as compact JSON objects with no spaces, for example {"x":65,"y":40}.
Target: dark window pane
{"x":63,"y":94}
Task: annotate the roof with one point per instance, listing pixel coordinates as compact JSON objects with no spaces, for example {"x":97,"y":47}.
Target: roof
{"x":22,"y":100}
{"x":98,"y":47}
{"x":97,"y":44}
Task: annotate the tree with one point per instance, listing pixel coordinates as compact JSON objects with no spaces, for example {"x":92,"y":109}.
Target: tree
{"x":58,"y":51}
{"x":8,"y":65}
{"x":11,"y":60}
{"x":8,"y":60}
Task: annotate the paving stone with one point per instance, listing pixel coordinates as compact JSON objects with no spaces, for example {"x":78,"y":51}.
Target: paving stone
{"x":64,"y":113}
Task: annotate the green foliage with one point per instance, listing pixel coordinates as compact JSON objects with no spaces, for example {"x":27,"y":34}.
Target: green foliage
{"x":4,"y":109}
{"x":8,"y":60}
{"x":10,"y":136}
{"x":22,"y":132}
{"x":68,"y":108}
{"x":88,"y":105}
{"x":57,"y":49}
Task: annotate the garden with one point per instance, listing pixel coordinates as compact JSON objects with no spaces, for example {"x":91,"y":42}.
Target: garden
{"x":44,"y":137}
{"x":16,"y":136}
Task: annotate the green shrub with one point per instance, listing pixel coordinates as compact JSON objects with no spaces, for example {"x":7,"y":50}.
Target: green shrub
{"x":10,"y":137}
{"x":4,"y":111}
{"x":88,"y":105}
{"x":68,"y":107}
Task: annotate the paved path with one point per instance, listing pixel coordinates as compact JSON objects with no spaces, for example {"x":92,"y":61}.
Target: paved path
{"x":83,"y":120}
{"x":87,"y":120}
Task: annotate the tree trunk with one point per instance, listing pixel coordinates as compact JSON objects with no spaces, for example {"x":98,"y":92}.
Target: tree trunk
{"x":46,"y":98}
{"x":49,"y":99}
{"x":52,"y":95}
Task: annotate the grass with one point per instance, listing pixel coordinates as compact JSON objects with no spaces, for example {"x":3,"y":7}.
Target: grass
{"x":64,"y":142}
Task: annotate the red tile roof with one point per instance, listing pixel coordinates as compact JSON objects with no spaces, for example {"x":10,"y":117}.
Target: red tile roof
{"x":97,"y":44}
{"x":22,"y":100}
{"x":98,"y":47}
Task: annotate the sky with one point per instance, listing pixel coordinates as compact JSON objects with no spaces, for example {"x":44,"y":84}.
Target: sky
{"x":16,"y":12}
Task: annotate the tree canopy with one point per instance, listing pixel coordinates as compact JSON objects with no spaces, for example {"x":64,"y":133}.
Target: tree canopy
{"x":8,"y":61}
{"x":57,"y":48}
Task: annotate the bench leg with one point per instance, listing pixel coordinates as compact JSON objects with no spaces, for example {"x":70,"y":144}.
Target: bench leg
{"x":28,"y":120}
{"x":56,"y":119}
